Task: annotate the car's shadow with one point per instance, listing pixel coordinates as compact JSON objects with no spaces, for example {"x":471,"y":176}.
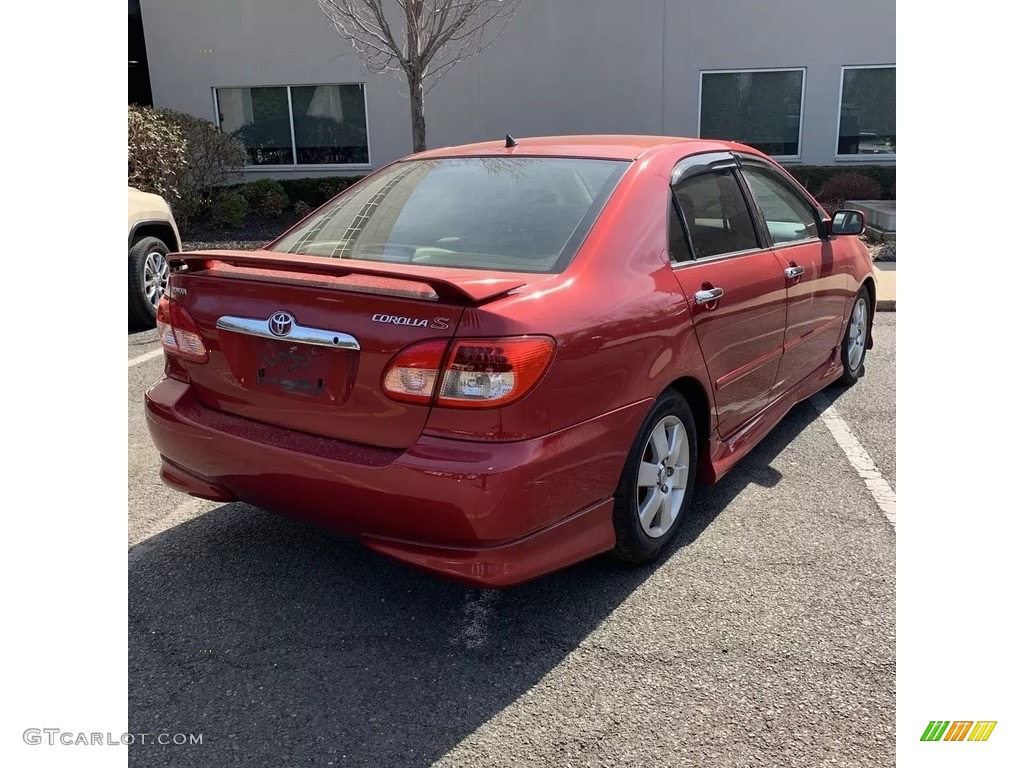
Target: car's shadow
{"x":283,"y":644}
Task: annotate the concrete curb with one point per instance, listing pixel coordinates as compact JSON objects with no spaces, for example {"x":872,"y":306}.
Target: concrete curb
{"x":885,"y":284}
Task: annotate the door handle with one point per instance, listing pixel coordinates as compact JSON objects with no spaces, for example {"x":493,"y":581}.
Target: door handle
{"x":794,"y":271}
{"x":708,"y":296}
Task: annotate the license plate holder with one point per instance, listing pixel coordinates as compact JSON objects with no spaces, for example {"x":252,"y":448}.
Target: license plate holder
{"x":295,"y":369}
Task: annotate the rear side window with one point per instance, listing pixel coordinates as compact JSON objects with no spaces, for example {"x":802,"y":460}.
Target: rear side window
{"x":716,"y":214}
{"x":678,"y":248}
{"x":516,"y":214}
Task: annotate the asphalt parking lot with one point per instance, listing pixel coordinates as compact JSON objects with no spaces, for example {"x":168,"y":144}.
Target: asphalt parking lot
{"x":766,"y":638}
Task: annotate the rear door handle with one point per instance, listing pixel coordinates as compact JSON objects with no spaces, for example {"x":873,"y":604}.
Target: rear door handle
{"x":708,"y":296}
{"x":794,"y":271}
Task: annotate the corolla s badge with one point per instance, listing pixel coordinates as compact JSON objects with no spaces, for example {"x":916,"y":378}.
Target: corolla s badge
{"x":281,"y":323}
{"x":439,"y":323}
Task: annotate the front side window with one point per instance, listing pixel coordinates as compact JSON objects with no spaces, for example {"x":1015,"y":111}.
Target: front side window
{"x":716,"y":214}
{"x":297,"y":125}
{"x":788,"y":215}
{"x":759,"y":109}
{"x":867,"y":114}
{"x":516,"y":214}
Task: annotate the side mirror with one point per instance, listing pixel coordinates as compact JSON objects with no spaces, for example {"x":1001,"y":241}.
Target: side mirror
{"x":847,"y":222}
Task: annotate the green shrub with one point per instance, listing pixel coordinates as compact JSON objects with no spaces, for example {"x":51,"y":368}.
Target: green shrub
{"x":332,"y":186}
{"x":302,"y":190}
{"x":317,"y":190}
{"x":848,"y":186}
{"x":156,"y":152}
{"x":265,"y":197}
{"x":302,"y":208}
{"x":813,"y":177}
{"x":213,"y":158}
{"x":184,"y":158}
{"x":230,"y":209}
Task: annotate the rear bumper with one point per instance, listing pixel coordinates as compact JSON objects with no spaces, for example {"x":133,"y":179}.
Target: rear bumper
{"x":486,"y":514}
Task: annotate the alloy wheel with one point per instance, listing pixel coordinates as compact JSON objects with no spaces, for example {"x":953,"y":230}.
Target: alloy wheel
{"x":857,"y":336}
{"x":662,"y":478}
{"x":154,"y":276}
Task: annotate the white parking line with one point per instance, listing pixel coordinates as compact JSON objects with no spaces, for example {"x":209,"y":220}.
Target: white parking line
{"x":878,"y":487}
{"x":143,"y":358}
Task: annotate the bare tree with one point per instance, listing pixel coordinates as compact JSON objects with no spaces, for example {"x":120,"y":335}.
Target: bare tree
{"x":420,"y":39}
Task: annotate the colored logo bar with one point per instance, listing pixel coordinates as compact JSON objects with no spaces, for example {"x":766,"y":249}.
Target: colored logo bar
{"x":958,"y":730}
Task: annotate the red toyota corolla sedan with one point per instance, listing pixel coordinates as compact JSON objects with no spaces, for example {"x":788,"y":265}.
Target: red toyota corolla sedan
{"x":495,"y":360}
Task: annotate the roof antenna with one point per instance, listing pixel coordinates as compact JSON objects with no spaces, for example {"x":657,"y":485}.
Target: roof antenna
{"x":510,"y":142}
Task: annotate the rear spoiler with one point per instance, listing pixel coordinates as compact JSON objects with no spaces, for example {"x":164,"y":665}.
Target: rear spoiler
{"x":449,"y":284}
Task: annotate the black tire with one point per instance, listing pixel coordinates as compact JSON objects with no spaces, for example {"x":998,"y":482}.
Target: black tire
{"x":632,"y":543}
{"x":852,"y":373}
{"x":142,"y":312}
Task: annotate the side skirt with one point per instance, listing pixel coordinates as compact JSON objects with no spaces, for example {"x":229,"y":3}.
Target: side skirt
{"x":723,"y":455}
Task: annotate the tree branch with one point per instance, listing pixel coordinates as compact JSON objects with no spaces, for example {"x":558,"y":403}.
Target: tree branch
{"x":438,"y":35}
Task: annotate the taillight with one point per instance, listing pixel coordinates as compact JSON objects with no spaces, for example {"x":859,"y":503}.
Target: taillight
{"x":178,"y":332}
{"x":411,"y":376}
{"x":477,"y":373}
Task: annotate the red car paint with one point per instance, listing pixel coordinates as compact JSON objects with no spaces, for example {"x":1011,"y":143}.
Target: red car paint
{"x":496,"y":496}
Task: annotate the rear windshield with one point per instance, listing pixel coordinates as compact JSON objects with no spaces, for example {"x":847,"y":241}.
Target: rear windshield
{"x":517,"y":214}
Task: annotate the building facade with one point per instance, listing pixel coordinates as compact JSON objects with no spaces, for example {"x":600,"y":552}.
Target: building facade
{"x":807,"y":81}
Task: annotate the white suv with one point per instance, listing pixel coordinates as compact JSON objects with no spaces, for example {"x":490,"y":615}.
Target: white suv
{"x":152,"y":234}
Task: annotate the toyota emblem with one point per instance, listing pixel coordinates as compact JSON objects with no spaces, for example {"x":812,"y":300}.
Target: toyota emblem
{"x":281,"y":323}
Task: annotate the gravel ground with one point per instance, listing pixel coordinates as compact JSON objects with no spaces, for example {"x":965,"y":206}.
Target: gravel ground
{"x":231,"y":245}
{"x":256,"y":233}
{"x":880,"y":251}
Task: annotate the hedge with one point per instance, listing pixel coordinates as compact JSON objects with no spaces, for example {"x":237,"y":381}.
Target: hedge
{"x":813,"y":177}
{"x":314,"y":192}
{"x":318,"y":190}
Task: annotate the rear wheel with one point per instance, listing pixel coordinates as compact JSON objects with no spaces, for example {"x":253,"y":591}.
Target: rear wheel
{"x":147,"y":277}
{"x":657,"y":482}
{"x":855,"y":340}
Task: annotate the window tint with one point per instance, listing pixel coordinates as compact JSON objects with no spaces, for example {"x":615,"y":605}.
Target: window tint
{"x":678,"y":247}
{"x":330,"y":124}
{"x":867,"y":117}
{"x":789,"y":217}
{"x":716,"y":214}
{"x":525,"y":214}
{"x":258,"y":117}
{"x":760,"y":109}
{"x":305,"y":125}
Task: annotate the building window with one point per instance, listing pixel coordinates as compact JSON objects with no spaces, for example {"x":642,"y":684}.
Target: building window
{"x":759,"y":108}
{"x":867,"y":112}
{"x":297,"y":124}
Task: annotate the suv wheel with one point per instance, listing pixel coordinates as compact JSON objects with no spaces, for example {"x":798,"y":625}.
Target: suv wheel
{"x":147,"y":277}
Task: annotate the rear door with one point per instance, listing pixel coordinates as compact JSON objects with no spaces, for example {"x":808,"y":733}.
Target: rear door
{"x":816,"y":288}
{"x":732,"y":281}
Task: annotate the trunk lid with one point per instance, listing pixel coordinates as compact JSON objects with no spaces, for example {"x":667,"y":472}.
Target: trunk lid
{"x":302,"y":341}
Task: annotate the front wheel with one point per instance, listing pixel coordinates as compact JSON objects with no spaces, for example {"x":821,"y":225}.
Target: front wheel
{"x":855,"y":340}
{"x":148,"y":271}
{"x":657,"y":482}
